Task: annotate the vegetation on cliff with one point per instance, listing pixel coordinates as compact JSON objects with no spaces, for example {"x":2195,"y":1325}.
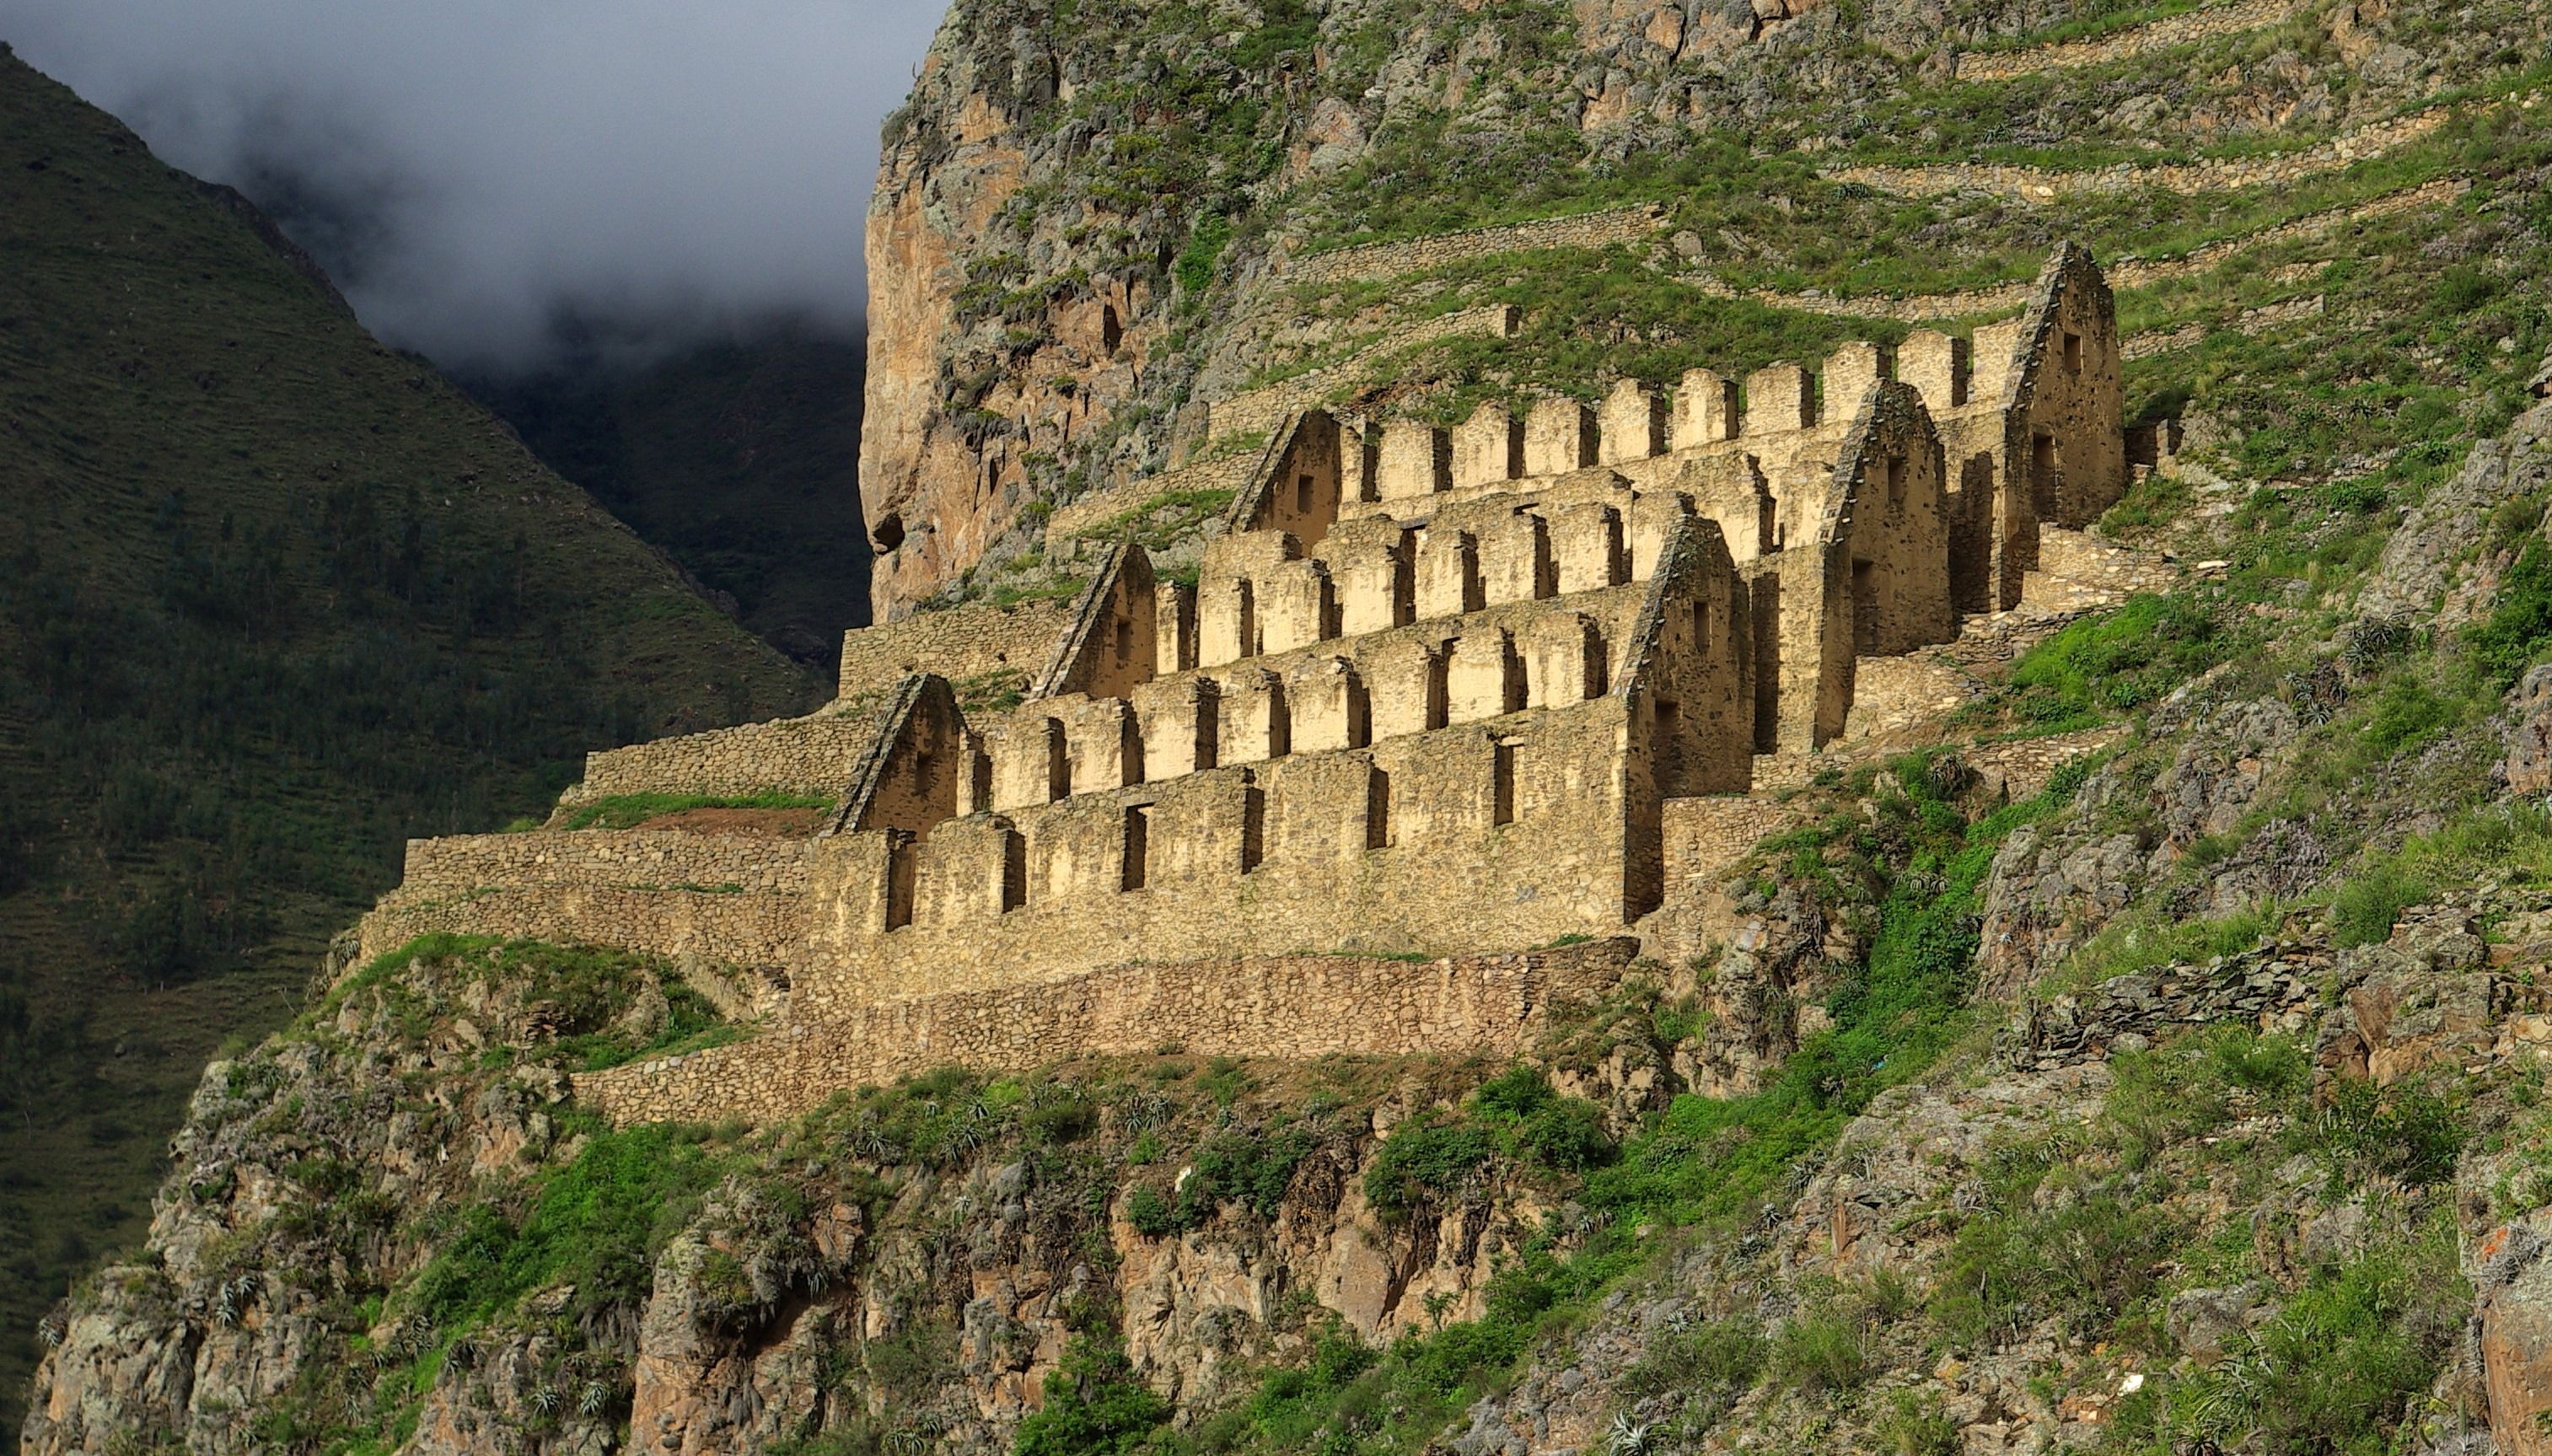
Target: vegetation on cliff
{"x":275,"y":599}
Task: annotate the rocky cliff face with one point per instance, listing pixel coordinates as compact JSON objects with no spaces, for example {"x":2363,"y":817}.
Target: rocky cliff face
{"x":1087,"y":221}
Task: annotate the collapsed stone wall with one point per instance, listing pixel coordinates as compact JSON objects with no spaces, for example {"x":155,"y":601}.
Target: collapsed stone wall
{"x":1293,"y":1006}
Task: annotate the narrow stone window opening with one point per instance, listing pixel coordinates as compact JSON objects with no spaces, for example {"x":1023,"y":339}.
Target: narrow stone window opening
{"x":1502,"y":783}
{"x":898,"y":878}
{"x":1303,"y":495}
{"x":2072,"y":354}
{"x":1139,"y":847}
{"x":1058,"y":763}
{"x":1124,"y":642}
{"x":980,"y":781}
{"x":1254,"y":827}
{"x":1896,"y":482}
{"x":1015,"y":871}
{"x":1377,"y":808}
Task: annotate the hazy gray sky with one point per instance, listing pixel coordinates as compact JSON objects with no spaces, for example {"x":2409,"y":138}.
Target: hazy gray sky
{"x":470,"y":168}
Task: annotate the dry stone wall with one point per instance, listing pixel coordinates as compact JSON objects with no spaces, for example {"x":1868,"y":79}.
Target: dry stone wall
{"x":1092,"y":514}
{"x":630,"y":860}
{"x":808,"y":756}
{"x":1293,"y":1006}
{"x":740,"y":928}
{"x":963,"y":641}
{"x":2160,"y":34}
{"x":1255,"y":411}
{"x":2213,"y":175}
{"x":1394,"y":260}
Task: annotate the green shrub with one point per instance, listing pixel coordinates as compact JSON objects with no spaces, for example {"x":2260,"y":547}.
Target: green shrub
{"x":1819,"y":1354}
{"x":1713,"y":1362}
{"x":2336,"y":1370}
{"x":2111,"y":664}
{"x":1425,"y":1160}
{"x":594,"y":1225}
{"x":2520,"y":622}
{"x":2409,"y":1133}
{"x":2368,"y":906}
{"x":1093,"y":1405}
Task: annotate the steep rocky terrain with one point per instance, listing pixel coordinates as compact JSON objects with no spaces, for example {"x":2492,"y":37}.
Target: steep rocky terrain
{"x":2192,"y":1104}
{"x":275,"y":599}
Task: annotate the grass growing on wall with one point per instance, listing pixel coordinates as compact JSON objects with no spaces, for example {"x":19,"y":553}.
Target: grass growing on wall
{"x":629,"y":810}
{"x":1707,"y":1162}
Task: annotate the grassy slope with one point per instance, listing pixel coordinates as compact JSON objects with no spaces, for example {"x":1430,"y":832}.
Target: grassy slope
{"x":740,"y":458}
{"x":275,"y":597}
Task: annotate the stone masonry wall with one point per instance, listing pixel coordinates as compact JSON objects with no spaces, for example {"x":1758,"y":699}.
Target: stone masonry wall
{"x":1296,"y":1006}
{"x":743,"y":928}
{"x":2213,"y":175}
{"x":959,"y":643}
{"x":1392,"y":260}
{"x":1495,"y":834}
{"x":808,"y":756}
{"x":2160,"y":34}
{"x":635,"y":859}
{"x":1256,"y":411}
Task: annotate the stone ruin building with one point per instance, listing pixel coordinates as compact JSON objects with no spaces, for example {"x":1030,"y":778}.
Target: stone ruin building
{"x":1433,"y":691}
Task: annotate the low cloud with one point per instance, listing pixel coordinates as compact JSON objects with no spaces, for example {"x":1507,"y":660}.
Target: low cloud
{"x":487,"y":179}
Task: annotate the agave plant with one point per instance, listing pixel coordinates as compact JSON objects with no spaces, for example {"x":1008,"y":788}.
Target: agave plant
{"x":1628,"y":1437}
{"x":594,"y":1399}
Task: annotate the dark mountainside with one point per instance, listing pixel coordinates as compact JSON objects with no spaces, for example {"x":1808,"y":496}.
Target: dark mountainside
{"x":274,"y":599}
{"x":738,"y":458}
{"x":2191,"y":1104}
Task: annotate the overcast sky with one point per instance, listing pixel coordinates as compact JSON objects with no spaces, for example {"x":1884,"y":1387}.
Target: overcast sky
{"x":468,"y":170}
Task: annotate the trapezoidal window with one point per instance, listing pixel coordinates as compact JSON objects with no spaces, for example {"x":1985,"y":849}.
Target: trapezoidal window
{"x":899,"y":858}
{"x":1058,"y":763}
{"x":1895,"y":471}
{"x":1253,"y":828}
{"x":1377,"y":808}
{"x":1303,"y":496}
{"x":1015,"y":871}
{"x":2072,"y":354}
{"x":1138,"y":848}
{"x":1502,"y":783}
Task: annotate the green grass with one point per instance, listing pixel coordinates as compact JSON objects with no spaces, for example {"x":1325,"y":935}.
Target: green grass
{"x":1707,"y":1161}
{"x":629,"y":810}
{"x":595,"y":1224}
{"x":276,"y":600}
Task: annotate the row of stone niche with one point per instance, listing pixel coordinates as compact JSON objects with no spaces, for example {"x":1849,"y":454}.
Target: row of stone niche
{"x":1257,"y":592}
{"x":1636,"y":422}
{"x":1168,"y":727}
{"x":1217,"y":824}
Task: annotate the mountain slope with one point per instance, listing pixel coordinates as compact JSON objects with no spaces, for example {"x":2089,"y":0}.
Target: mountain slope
{"x":275,"y":597}
{"x":737,"y":457}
